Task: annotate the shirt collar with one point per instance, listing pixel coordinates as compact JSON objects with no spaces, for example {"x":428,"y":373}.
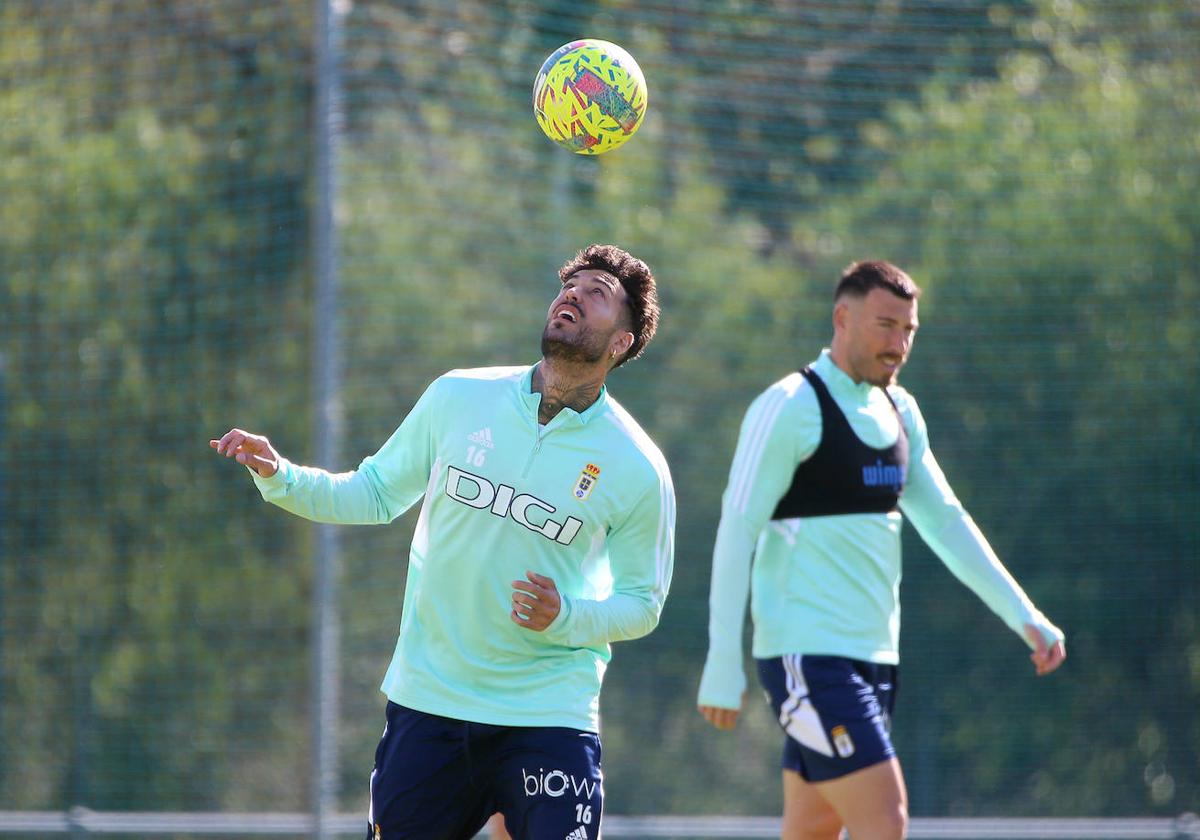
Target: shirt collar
{"x":532,"y":400}
{"x":837,"y":379}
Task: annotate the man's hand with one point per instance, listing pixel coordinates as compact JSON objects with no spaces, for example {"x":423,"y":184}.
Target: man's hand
{"x":255,"y":451}
{"x":719,"y":717}
{"x":1045,"y":657}
{"x":536,"y":603}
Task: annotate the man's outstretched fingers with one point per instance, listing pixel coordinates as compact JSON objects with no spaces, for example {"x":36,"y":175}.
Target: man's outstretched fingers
{"x":229,"y":442}
{"x":253,"y":451}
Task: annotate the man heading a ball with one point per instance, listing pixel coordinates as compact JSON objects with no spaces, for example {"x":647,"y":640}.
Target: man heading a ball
{"x":546,"y":533}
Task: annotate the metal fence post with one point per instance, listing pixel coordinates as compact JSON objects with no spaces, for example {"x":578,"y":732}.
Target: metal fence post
{"x":327,"y":416}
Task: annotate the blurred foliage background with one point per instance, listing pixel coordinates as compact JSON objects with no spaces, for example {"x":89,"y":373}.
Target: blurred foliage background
{"x":1034,"y":165}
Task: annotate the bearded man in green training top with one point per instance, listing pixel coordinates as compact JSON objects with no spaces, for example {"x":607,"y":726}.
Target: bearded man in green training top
{"x":546,"y":533}
{"x":826,"y":460}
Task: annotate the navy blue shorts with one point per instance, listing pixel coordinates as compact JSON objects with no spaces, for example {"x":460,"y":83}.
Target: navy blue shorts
{"x":837,"y":712}
{"x":437,"y":778}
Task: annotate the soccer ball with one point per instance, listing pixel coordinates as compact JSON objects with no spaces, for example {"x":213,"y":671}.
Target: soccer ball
{"x":589,"y":96}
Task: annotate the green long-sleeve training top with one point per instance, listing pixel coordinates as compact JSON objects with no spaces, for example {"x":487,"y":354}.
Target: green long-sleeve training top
{"x":586,"y":500}
{"x":831,"y":584}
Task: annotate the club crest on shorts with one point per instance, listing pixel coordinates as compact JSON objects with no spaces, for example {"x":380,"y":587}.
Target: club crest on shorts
{"x":842,"y":741}
{"x":587,"y":480}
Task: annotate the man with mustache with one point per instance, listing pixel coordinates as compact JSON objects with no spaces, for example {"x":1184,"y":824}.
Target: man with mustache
{"x":826,"y":460}
{"x":546,"y":533}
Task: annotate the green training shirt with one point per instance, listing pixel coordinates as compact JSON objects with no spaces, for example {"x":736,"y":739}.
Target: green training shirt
{"x":586,"y":500}
{"x":831,"y":584}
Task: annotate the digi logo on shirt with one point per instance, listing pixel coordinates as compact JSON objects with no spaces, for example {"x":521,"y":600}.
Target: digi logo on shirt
{"x":501,"y":500}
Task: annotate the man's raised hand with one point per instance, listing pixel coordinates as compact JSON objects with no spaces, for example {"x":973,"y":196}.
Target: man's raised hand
{"x":255,"y":451}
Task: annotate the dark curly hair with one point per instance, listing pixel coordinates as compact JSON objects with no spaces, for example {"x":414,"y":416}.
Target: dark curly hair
{"x":634,"y":275}
{"x":861,"y":277}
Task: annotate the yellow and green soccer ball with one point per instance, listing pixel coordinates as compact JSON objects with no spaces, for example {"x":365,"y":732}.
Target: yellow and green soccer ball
{"x":589,"y":96}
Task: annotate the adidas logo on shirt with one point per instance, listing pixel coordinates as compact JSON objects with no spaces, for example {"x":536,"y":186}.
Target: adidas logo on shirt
{"x":482,"y":438}
{"x":578,"y":834}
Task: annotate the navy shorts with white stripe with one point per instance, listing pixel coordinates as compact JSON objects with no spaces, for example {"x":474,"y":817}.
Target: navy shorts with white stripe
{"x":836,"y":712}
{"x":439,"y":778}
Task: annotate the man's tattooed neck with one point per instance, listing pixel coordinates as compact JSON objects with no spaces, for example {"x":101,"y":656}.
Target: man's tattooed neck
{"x":577,"y":398}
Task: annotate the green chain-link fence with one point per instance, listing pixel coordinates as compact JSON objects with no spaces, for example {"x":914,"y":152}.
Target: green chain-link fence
{"x":1034,"y":165}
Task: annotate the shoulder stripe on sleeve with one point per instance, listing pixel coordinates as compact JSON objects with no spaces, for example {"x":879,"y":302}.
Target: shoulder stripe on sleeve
{"x":665,"y":539}
{"x":758,"y":429}
{"x":664,"y":545}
